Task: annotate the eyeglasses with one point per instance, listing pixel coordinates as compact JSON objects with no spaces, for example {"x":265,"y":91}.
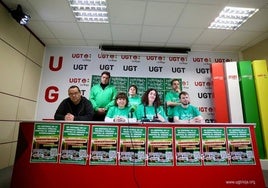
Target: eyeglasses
{"x":74,"y":94}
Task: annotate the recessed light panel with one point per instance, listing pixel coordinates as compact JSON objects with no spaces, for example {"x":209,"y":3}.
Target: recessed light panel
{"x":90,"y":10}
{"x":231,"y":18}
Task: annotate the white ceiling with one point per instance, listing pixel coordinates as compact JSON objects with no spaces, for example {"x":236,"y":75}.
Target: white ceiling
{"x":161,"y":23}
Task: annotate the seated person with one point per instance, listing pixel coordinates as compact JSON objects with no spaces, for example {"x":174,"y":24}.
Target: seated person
{"x":74,"y":108}
{"x":150,"y":109}
{"x":133,"y":98}
{"x":120,"y":112}
{"x":186,"y":113}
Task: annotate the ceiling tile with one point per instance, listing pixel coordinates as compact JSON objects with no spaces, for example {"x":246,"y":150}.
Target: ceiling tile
{"x":212,"y":36}
{"x":155,"y":34}
{"x":51,"y":41}
{"x":184,"y":35}
{"x":40,"y":28}
{"x":64,"y":30}
{"x":51,"y":10}
{"x":254,"y":23}
{"x":240,"y":38}
{"x":228,"y":48}
{"x":198,"y":16}
{"x":203,"y":47}
{"x":177,"y":23}
{"x":96,"y":31}
{"x":163,"y":14}
{"x":96,"y":43}
{"x":73,"y":42}
{"x":126,"y":32}
{"x":126,"y":12}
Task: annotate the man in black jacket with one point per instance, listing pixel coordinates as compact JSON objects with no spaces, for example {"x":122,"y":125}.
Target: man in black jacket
{"x":74,"y":108}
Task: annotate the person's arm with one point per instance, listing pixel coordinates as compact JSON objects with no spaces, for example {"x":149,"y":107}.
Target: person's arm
{"x":108,"y":119}
{"x":92,"y":97}
{"x":177,"y":116}
{"x":169,"y":102}
{"x":161,"y":114}
{"x":60,"y":112}
{"x":178,"y":120}
{"x":197,"y":116}
{"x":197,"y":119}
{"x":114,"y":93}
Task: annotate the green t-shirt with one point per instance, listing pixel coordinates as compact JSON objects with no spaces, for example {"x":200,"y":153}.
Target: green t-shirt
{"x":114,"y":111}
{"x":150,"y":112}
{"x":186,"y":113}
{"x":102,"y":98}
{"x":171,"y":96}
{"x":133,"y":102}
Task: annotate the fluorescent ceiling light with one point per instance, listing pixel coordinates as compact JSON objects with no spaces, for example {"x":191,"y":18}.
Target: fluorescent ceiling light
{"x":231,"y":18}
{"x":90,"y":10}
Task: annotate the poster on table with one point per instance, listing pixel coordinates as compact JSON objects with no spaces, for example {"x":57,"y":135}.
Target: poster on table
{"x":214,"y":146}
{"x":188,"y":151}
{"x":74,"y":144}
{"x":104,"y":142}
{"x":45,"y":145}
{"x":240,"y":145}
{"x":160,"y":146}
{"x":132,"y":146}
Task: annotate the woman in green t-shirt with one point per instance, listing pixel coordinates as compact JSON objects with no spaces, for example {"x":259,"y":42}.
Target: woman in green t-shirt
{"x":133,"y":98}
{"x":150,"y":109}
{"x":120,"y":112}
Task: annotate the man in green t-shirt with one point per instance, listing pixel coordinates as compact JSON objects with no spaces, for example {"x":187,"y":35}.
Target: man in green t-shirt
{"x":102,"y":96}
{"x":172,"y":98}
{"x":187,"y":113}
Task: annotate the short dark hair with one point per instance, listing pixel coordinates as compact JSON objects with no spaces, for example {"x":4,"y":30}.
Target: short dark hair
{"x":107,"y":73}
{"x":183,"y":93}
{"x":74,"y":86}
{"x":121,"y":95}
{"x":173,"y":80}
{"x":134,"y":87}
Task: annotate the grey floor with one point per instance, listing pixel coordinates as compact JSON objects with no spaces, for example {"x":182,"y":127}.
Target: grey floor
{"x":6,"y":173}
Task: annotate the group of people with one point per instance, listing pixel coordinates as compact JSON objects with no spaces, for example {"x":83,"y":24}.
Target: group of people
{"x":106,"y":104}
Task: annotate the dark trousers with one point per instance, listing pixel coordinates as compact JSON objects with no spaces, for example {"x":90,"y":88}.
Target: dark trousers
{"x":170,"y":119}
{"x":98,"y":117}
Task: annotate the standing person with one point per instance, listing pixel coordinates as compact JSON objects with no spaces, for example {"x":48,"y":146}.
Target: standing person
{"x":133,"y":97}
{"x":120,"y":112}
{"x":102,"y":96}
{"x":186,"y":113}
{"x":150,"y":109}
{"x":74,"y":108}
{"x":172,"y":98}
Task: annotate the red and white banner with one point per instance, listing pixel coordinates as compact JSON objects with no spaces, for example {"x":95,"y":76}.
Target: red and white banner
{"x":63,"y":67}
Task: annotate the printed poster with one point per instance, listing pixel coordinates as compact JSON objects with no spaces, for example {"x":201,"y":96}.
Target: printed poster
{"x":132,"y":146}
{"x":214,"y":146}
{"x":160,"y":147}
{"x":240,"y":145}
{"x":45,"y":144}
{"x":187,"y":146}
{"x":74,"y":144}
{"x":104,"y":141}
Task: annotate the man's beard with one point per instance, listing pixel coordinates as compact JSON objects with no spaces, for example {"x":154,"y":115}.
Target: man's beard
{"x":185,"y":103}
